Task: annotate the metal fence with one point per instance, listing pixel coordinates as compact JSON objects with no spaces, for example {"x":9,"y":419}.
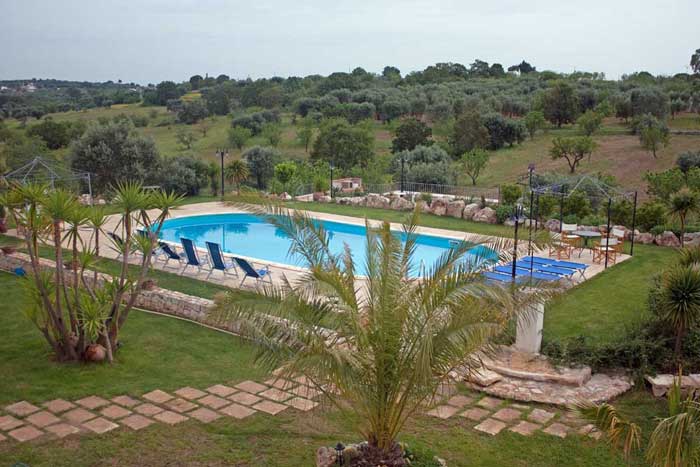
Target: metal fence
{"x":452,"y":190}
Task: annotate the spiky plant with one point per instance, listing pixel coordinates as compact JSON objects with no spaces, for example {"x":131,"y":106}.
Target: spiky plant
{"x":381,"y":345}
{"x":681,"y":204}
{"x":237,"y":172}
{"x":678,"y":301}
{"x":620,"y":432}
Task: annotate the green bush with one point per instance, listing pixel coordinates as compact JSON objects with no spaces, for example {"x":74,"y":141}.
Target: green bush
{"x":427,"y":197}
{"x":504,"y":212}
{"x":650,"y":214}
{"x":657,"y":229}
{"x":510,"y":193}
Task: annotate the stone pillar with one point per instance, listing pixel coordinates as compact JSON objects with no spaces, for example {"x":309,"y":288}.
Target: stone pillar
{"x":528,"y":337}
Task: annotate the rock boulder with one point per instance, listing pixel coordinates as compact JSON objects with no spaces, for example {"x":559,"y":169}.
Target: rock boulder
{"x":378,"y":201}
{"x":552,"y":225}
{"x":644,"y":238}
{"x":469,"y":211}
{"x":401,"y":204}
{"x":455,"y":208}
{"x":667,"y":238}
{"x":486,"y":215}
{"x":438,"y":207}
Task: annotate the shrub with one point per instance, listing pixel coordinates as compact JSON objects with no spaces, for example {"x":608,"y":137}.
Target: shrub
{"x":650,"y":214}
{"x":427,"y":197}
{"x":657,"y":230}
{"x":504,"y":212}
{"x":510,"y":193}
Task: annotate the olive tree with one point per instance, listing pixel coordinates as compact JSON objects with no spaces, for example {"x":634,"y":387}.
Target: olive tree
{"x":572,"y":149}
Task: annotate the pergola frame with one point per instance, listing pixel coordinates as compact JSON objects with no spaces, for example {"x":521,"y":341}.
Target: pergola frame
{"x":39,"y":170}
{"x":561,"y":191}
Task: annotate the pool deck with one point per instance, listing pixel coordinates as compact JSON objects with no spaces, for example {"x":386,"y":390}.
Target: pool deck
{"x":293,"y":273}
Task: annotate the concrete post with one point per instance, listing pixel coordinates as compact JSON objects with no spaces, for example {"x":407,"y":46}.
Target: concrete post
{"x":528,"y":337}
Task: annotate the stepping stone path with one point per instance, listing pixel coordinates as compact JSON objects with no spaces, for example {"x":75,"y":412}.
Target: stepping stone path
{"x":492,"y":416}
{"x":23,"y":421}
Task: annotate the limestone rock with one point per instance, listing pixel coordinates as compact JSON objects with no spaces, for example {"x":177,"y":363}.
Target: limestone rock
{"x":325,"y":457}
{"x":401,"y":204}
{"x":438,"y":207}
{"x":644,"y":238}
{"x":423,"y":206}
{"x":483,"y":377}
{"x":486,"y":215}
{"x":455,"y":208}
{"x":469,"y":211}
{"x":377,"y":201}
{"x":667,"y":238}
{"x":552,"y":225}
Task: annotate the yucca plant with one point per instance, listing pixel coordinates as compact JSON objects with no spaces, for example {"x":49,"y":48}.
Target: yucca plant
{"x":379,"y":346}
{"x":74,"y":313}
{"x":678,"y":301}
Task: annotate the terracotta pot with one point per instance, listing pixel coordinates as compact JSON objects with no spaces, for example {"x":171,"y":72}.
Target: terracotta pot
{"x":95,"y":353}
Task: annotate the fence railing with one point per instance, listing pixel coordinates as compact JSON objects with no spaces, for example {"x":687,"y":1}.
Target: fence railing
{"x":453,"y":190}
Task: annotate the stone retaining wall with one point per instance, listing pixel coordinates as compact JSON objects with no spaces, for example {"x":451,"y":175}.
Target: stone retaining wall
{"x":156,"y":299}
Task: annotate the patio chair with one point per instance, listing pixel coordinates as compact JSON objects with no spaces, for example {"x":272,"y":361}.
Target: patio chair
{"x":619,"y":235}
{"x":167,"y":253}
{"x":218,"y":262}
{"x":561,"y":248}
{"x":249,"y":271}
{"x":191,"y":255}
{"x":605,"y":248}
{"x":567,"y":230}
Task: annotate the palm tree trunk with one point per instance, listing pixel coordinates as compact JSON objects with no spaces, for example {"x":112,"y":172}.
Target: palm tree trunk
{"x":679,"y":344}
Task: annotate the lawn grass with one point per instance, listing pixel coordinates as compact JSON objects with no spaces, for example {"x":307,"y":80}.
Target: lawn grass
{"x":157,"y":352}
{"x":603,"y":306}
{"x":166,"y":353}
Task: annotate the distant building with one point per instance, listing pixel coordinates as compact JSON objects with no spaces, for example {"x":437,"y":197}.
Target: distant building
{"x":347,"y":184}
{"x":29,"y":87}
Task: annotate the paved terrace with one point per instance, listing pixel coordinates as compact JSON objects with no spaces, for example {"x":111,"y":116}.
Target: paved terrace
{"x":293,"y":273}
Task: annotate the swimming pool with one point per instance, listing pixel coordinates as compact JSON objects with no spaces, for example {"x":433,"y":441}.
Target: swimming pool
{"x":254,"y":237}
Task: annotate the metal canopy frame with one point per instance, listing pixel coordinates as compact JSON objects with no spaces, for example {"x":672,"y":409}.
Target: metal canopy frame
{"x":40,"y":170}
{"x":562,"y":191}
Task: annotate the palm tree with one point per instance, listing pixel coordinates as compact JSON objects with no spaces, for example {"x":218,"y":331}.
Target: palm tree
{"x":679,"y":301}
{"x":673,"y":443}
{"x":237,"y":171}
{"x":378,"y":346}
{"x":683,"y":203}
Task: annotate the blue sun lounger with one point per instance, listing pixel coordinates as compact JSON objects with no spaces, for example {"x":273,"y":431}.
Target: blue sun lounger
{"x":526,"y":273}
{"x":218,"y":262}
{"x":167,"y":252}
{"x":566,"y":272}
{"x":504,"y":278}
{"x":191,"y":256}
{"x":578,"y":267}
{"x":250,"y":271}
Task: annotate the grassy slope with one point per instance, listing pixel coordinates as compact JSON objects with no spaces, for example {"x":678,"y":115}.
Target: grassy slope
{"x":167,"y":353}
{"x":617,"y":151}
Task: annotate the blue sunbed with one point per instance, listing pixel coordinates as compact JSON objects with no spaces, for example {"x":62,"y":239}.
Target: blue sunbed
{"x":580,"y":267}
{"x":250,"y":271}
{"x":526,"y":273}
{"x":544,"y":268}
{"x":217,"y":260}
{"x":191,"y":256}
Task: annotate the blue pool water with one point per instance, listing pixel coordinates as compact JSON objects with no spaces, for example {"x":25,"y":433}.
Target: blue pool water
{"x":251,"y":236}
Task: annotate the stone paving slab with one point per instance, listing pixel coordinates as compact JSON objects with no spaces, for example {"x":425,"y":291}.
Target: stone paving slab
{"x":280,"y":383}
{"x":126,"y":401}
{"x":525,"y":428}
{"x":489,"y":402}
{"x":190,"y":393}
{"x":42,"y":419}
{"x":251,"y":386}
{"x":221,"y":390}
{"x":171,"y":418}
{"x":244,"y":398}
{"x":157,"y":396}
{"x":26,"y":433}
{"x":476,"y":414}
{"x":22,"y":408}
{"x":302,"y":404}
{"x":306,"y":392}
{"x":238,"y":411}
{"x":92,"y":402}
{"x":213,"y":402}
{"x":275,"y":395}
{"x":460,"y":401}
{"x":58,"y":405}
{"x":78,"y":415}
{"x":62,"y":430}
{"x":136,"y":421}
{"x":100,"y":425}
{"x":557,"y":429}
{"x":443,"y":411}
{"x":115,"y":412}
{"x":507,"y":414}
{"x":148,"y":409}
{"x":540,"y":416}
{"x":272,"y":408}
{"x":8,"y":422}
{"x":180,"y":405}
{"x":490,"y":426}
{"x":204,"y":415}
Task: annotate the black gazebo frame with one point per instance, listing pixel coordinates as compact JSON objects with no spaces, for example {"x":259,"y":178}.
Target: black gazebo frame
{"x":40,"y":170}
{"x":562,"y":191}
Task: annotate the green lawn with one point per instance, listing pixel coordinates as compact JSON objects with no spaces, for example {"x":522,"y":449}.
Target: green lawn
{"x":601,"y":307}
{"x":168,"y":353}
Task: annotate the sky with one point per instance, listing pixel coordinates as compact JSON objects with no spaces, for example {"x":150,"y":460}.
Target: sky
{"x":148,"y":41}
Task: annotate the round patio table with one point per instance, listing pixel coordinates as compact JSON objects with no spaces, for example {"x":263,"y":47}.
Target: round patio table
{"x":586,"y":235}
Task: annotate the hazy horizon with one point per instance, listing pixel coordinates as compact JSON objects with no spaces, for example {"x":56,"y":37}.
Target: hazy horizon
{"x":171,"y":40}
